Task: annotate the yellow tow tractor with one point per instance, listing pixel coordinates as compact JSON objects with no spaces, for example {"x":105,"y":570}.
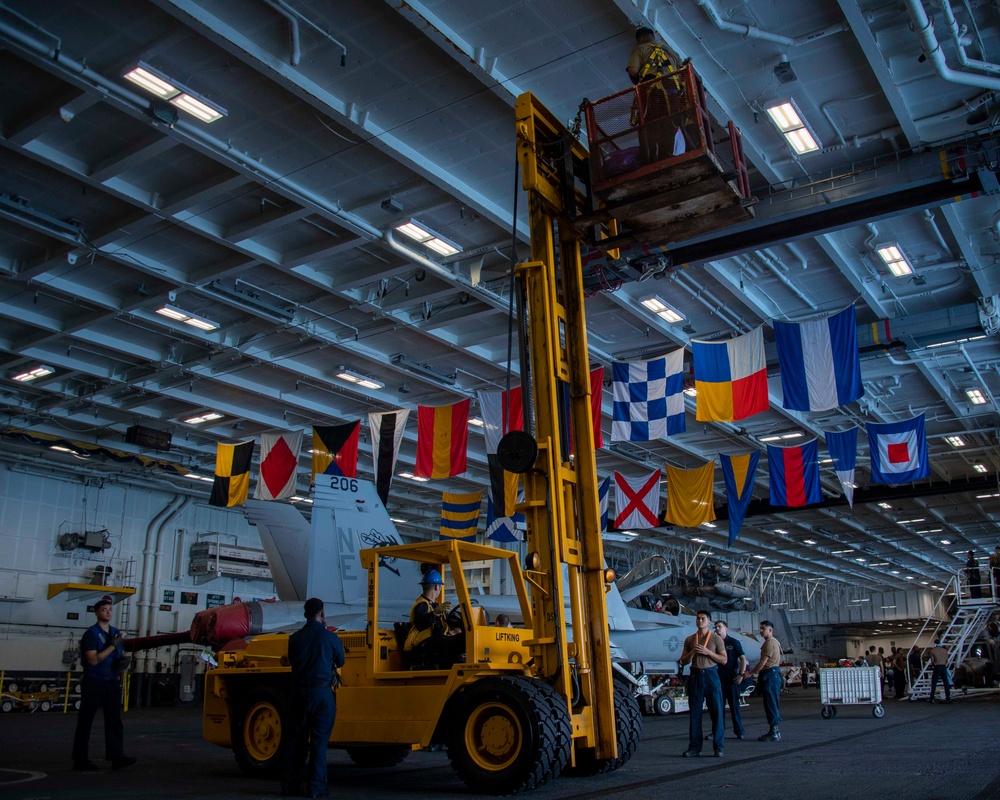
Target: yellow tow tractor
{"x":525,"y":704}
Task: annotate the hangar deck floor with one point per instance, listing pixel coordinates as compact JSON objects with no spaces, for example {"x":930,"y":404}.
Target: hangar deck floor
{"x":916,"y":751}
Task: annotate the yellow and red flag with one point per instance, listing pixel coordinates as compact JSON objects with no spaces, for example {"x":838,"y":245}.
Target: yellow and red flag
{"x":442,"y":440}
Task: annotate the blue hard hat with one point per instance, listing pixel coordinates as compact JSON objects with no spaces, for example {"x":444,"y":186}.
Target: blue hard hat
{"x":431,"y":578}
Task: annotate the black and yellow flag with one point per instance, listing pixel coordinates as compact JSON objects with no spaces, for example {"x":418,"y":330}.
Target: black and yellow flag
{"x":232,"y":474}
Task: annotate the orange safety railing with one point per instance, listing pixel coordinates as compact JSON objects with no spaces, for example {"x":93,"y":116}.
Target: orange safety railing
{"x":658,"y":124}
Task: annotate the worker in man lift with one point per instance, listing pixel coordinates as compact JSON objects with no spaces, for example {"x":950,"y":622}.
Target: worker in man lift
{"x":651,"y":68}
{"x":431,"y":641}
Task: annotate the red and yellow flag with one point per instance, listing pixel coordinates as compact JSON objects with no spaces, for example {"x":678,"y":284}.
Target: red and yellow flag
{"x":442,"y":439}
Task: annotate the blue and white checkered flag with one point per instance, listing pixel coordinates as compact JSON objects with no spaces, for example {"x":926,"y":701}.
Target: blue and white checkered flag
{"x":648,"y":398}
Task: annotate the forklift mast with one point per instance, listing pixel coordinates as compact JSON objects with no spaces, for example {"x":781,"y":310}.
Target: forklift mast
{"x":555,"y":452}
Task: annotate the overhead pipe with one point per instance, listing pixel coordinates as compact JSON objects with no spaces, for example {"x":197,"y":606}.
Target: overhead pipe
{"x":929,"y":216}
{"x":293,"y":32}
{"x":932,"y":49}
{"x":288,"y":12}
{"x":772,"y":264}
{"x":752,"y":32}
{"x":960,"y":42}
{"x":717,"y":309}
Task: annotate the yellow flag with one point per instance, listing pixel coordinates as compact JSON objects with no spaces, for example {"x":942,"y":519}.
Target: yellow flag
{"x":690,"y":496}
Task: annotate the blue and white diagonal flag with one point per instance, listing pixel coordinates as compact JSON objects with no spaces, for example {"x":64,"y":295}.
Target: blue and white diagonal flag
{"x":648,"y":398}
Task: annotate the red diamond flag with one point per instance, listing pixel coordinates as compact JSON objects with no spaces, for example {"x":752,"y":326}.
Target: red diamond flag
{"x":279,"y":461}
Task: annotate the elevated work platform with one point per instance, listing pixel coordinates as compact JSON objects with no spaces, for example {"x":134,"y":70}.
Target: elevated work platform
{"x":663,"y":171}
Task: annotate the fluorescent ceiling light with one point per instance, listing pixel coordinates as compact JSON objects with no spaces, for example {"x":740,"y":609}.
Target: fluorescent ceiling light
{"x":196,"y":477}
{"x":201,"y":109}
{"x":946,"y":541}
{"x":884,"y":607}
{"x":894,"y":259}
{"x":911,"y":521}
{"x":980,"y":468}
{"x":179,"y":315}
{"x":955,"y":441}
{"x":428,"y":238}
{"x":411,"y":477}
{"x":691,"y":392}
{"x":987,"y":496}
{"x":789,"y":572}
{"x":760,"y":557}
{"x":661,"y":309}
{"x":893,"y":571}
{"x":297,"y":499}
{"x":166,"y":88}
{"x":398,"y":520}
{"x":976,"y":396}
{"x":60,"y":449}
{"x":861,"y":559}
{"x":789,"y":121}
{"x":208,"y":416}
{"x":709,"y":525}
{"x":884,"y":505}
{"x":351,"y":376}
{"x":809,"y":541}
{"x":774,"y":437}
{"x":34,"y":374}
{"x":781,"y":531}
{"x":839,"y":552}
{"x":476,"y":422}
{"x":880,"y":564}
{"x":909,"y":578}
{"x":696,"y":539}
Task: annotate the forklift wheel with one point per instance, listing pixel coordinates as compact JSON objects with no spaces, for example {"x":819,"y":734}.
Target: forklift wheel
{"x":827,"y":712}
{"x":878,"y":712}
{"x":510,"y":735}
{"x":257,"y":735}
{"x":628,"y":725}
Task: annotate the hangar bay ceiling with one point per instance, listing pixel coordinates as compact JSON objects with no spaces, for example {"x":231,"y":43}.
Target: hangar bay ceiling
{"x":274,"y":227}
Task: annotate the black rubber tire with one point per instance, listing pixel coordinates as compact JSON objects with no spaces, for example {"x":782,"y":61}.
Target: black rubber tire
{"x":826,"y":713}
{"x":6,"y":706}
{"x":388,"y":755}
{"x":628,"y":728}
{"x":878,"y":712}
{"x":509,"y":734}
{"x":45,"y":705}
{"x":663,"y":705}
{"x":258,"y":733}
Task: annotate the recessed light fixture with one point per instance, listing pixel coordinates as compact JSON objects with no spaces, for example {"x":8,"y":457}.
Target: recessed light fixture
{"x":885,"y":607}
{"x":398,"y":520}
{"x":841,"y":552}
{"x":663,"y":310}
{"x":786,"y":117}
{"x":196,"y":477}
{"x":297,"y":499}
{"x":809,"y":541}
{"x":761,"y":558}
{"x":34,"y":374}
{"x":781,"y":436}
{"x":477,"y":423}
{"x":428,"y":238}
{"x":893,"y":571}
{"x":781,"y":531}
{"x":910,"y":578}
{"x":709,"y":525}
{"x":884,"y":505}
{"x":980,"y":468}
{"x":861,"y":559}
{"x":691,"y":391}
{"x":955,"y":441}
{"x":696,"y":539}
{"x":194,"y":320}
{"x":208,"y":416}
{"x":895,"y":261}
{"x":166,"y":88}
{"x":911,"y":521}
{"x":976,"y":396}
{"x":351,"y":376}
{"x":411,"y":477}
{"x":946,"y":541}
{"x":987,"y":496}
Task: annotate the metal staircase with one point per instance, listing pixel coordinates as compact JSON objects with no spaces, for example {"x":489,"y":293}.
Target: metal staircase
{"x":958,"y":634}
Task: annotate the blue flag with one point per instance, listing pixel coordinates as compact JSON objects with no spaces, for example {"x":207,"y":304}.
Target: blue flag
{"x":602,"y":493}
{"x":794,"y":474}
{"x":843,"y":447}
{"x":460,"y":515}
{"x":739,"y":473}
{"x":899,"y":451}
{"x":820,"y":363}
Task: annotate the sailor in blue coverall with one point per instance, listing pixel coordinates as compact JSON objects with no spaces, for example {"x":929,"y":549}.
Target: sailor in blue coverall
{"x":314,"y":654}
{"x":103,"y":655}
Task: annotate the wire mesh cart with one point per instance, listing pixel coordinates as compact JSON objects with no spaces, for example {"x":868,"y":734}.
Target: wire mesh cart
{"x":850,"y":686}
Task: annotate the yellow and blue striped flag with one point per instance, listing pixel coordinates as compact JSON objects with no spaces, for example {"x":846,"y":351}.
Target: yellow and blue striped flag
{"x":460,"y":515}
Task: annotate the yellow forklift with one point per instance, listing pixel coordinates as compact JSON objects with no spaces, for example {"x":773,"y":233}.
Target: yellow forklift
{"x":527,"y":704}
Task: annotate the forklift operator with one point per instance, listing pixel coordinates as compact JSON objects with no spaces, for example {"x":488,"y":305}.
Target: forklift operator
{"x":431,"y":641}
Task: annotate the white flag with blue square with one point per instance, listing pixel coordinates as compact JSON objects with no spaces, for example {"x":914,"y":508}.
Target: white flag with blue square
{"x":648,"y":398}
